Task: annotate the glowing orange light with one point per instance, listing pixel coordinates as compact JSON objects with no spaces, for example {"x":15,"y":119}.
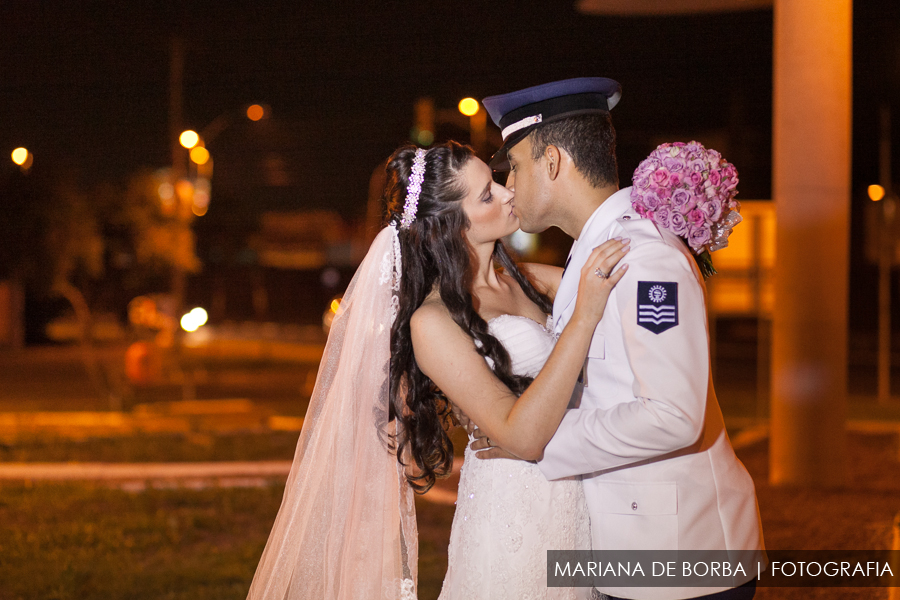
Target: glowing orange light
{"x":469,"y":106}
{"x":166,"y":191}
{"x":199,"y":155}
{"x":19,"y":156}
{"x":255,"y":112}
{"x":184,"y":189}
{"x":876,"y":193}
{"x":199,"y":210}
{"x":335,"y":305}
{"x":189,"y":138}
{"x":201,"y":198}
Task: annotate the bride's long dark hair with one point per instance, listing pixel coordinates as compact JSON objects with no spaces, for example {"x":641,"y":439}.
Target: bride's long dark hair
{"x":436,"y":255}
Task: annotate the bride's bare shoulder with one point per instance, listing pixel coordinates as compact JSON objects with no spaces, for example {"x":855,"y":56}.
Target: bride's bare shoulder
{"x":432,"y":314}
{"x":433,"y":329}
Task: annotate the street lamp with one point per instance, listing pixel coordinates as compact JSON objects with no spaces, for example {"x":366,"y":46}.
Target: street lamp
{"x":477,"y":122}
{"x":255,"y":112}
{"x":468,"y":106}
{"x":23,"y":158}
{"x":189,"y":138}
{"x":199,"y":155}
{"x":19,"y":156}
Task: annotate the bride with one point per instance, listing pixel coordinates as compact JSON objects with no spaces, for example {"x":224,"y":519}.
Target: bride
{"x":427,"y":322}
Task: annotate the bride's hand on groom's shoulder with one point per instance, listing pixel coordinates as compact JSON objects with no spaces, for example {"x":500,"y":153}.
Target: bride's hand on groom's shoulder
{"x":484,"y":448}
{"x":598,"y":279}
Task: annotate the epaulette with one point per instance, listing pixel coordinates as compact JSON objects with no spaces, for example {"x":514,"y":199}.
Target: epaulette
{"x":639,"y":229}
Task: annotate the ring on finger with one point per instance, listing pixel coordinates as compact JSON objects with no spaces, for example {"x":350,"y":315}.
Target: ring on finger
{"x":600,"y":273}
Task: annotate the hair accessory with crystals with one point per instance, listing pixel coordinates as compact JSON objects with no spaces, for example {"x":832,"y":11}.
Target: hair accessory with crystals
{"x":413,"y":189}
{"x":346,"y":528}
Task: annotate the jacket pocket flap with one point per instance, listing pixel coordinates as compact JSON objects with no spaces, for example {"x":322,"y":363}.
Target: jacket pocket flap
{"x":638,"y":498}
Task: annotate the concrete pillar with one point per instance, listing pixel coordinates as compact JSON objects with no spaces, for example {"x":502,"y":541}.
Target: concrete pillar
{"x":811,"y":187}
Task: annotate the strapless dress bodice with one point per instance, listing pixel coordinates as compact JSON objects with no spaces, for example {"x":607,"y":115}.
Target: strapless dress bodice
{"x":528,"y":342}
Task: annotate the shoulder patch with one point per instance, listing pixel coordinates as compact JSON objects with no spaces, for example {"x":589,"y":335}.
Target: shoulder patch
{"x":657,"y":305}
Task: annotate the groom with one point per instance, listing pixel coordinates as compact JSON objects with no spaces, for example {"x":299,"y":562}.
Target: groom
{"x":648,"y":436}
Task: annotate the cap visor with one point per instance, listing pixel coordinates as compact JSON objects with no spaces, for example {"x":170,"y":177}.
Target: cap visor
{"x":500,"y":161}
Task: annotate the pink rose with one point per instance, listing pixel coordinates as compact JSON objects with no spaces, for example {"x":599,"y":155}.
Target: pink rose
{"x":696,"y":217}
{"x":661,"y":176}
{"x":661,"y":216}
{"x":714,"y":177}
{"x":695,"y":178}
{"x":680,"y":198}
{"x":698,"y":237}
{"x":678,"y":224}
{"x":730,"y":183}
{"x":651,"y":201}
{"x":673,"y":163}
{"x":714,"y":209}
{"x":675,"y":179}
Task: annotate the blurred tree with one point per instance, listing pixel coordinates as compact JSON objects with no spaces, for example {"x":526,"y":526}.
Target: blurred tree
{"x":53,"y":246}
{"x":159,"y":238}
{"x":74,"y":247}
{"x":60,"y":238}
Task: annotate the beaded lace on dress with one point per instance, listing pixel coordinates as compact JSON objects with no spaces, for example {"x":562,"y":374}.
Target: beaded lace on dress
{"x":507,"y":514}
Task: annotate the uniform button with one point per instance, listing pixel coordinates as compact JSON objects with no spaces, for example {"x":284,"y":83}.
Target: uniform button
{"x":626,"y":218}
{"x":634,"y":506}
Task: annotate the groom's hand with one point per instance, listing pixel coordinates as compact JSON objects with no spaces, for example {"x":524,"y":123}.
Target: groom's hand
{"x":485,"y":450}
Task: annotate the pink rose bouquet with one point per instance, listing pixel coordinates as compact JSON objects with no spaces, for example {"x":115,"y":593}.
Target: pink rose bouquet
{"x":690,"y":191}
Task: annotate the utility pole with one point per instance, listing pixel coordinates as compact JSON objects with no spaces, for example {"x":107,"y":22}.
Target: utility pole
{"x":176,"y":74}
{"x":885,"y":259}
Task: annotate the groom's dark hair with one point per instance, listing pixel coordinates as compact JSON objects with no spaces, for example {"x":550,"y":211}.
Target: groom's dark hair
{"x":589,"y":139}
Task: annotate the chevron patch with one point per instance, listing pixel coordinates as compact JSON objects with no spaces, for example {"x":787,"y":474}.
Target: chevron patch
{"x":657,"y":305}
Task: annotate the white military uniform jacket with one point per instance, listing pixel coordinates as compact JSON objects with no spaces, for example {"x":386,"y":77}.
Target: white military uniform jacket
{"x":648,"y":437}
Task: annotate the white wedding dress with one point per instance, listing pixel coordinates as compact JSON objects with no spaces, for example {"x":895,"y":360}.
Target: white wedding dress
{"x":507,"y":514}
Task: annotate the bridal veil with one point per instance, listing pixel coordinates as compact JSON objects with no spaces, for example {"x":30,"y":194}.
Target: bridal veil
{"x":346,"y":528}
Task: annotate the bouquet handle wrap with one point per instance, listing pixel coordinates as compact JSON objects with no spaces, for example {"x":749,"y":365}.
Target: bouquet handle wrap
{"x":723,"y":229}
{"x":346,"y":528}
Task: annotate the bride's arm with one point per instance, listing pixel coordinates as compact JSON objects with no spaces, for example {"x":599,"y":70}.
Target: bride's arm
{"x":545,"y":278}
{"x":524,"y":425}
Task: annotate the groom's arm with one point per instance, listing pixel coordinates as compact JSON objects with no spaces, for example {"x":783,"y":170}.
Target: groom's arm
{"x":671,"y":373}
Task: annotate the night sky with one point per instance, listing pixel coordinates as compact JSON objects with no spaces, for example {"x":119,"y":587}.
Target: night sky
{"x":84,"y":85}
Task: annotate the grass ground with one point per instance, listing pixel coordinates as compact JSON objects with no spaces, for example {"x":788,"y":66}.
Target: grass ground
{"x":85,"y":542}
{"x":60,"y":542}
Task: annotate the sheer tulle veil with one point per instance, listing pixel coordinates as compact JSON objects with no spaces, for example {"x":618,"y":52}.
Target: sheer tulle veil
{"x":347,"y":525}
